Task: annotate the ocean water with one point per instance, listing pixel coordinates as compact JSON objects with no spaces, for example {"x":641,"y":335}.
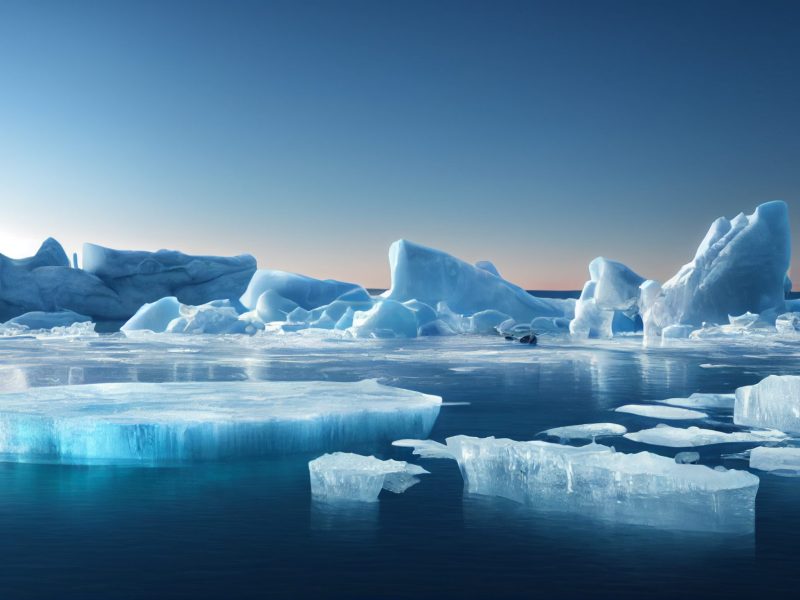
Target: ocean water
{"x":249,"y":528}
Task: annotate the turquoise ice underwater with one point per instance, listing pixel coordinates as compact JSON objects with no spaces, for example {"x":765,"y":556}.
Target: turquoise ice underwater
{"x":174,"y":456}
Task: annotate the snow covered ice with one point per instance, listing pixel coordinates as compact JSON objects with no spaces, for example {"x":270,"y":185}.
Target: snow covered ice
{"x":677,"y":437}
{"x":642,"y":488}
{"x":589,"y":431}
{"x":661,"y":412}
{"x":783,"y":460}
{"x":774,"y":402}
{"x":169,"y":422}
{"x":345,"y":476}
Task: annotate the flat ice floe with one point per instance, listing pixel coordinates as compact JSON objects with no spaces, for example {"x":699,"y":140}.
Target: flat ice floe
{"x":702,"y":400}
{"x":678,"y":437}
{"x":782,"y":460}
{"x":588,"y":431}
{"x":642,"y":488}
{"x":345,"y":476}
{"x":174,"y":422}
{"x":661,"y":412}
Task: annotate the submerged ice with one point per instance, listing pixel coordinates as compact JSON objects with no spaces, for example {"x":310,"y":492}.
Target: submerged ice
{"x":642,"y":488}
{"x":168,"y":422}
{"x":345,"y":476}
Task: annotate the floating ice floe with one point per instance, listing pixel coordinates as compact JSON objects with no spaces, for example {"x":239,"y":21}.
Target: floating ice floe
{"x":167,"y":315}
{"x":773,"y":402}
{"x":172,"y":422}
{"x":642,"y":488}
{"x":783,"y":460}
{"x":661,"y":412}
{"x":678,"y":437}
{"x":345,"y":476}
{"x":588,"y":431}
{"x":703,"y":400}
{"x":306,"y":292}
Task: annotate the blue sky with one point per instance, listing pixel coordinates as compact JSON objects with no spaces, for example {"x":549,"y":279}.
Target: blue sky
{"x":312,"y":134}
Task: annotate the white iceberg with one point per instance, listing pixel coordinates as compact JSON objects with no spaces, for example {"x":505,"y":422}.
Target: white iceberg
{"x":774,"y":403}
{"x":678,"y":437}
{"x":173,"y":422}
{"x":784,"y":460}
{"x":345,"y":476}
{"x":642,"y":488}
{"x":589,"y":431}
{"x":661,"y":412}
{"x":687,"y":458}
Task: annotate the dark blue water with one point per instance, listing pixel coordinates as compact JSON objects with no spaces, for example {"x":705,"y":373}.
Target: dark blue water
{"x":250,"y":529}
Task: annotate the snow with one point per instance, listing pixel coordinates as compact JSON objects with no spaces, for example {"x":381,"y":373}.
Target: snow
{"x":305,"y":292}
{"x":703,"y":400}
{"x":588,"y":431}
{"x":169,"y":422}
{"x":642,"y":488}
{"x":677,"y":437}
{"x":661,"y":412}
{"x":774,"y":402}
{"x":785,"y":460}
{"x":344,"y":476}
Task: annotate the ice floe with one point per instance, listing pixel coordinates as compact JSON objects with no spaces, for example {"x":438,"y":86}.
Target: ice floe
{"x":783,"y":460}
{"x":661,"y":412}
{"x":588,"y":431}
{"x":678,"y":437}
{"x":703,"y":400}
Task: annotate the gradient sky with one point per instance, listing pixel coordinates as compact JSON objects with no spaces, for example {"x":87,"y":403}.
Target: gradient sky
{"x":537,"y":135}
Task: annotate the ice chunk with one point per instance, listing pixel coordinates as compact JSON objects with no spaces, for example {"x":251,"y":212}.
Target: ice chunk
{"x":168,"y":422}
{"x":436,"y":328}
{"x":425,"y":448}
{"x":661,"y":412}
{"x":676,"y":332}
{"x":155,"y":316}
{"x":788,"y":323}
{"x":386,"y":319}
{"x":701,"y":400}
{"x":344,"y":476}
{"x":642,"y":488}
{"x":784,"y":460}
{"x":271,"y":306}
{"x":774,"y":402}
{"x":486,"y":321}
{"x":740,"y":266}
{"x":589,"y":431}
{"x":167,"y":315}
{"x":48,"y":320}
{"x":687,"y":458}
{"x":677,"y":437}
{"x":488,"y":267}
{"x":432,"y":276}
{"x":304,"y":291}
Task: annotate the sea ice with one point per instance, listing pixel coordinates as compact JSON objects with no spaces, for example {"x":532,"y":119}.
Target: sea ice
{"x":173,"y":422}
{"x":786,"y":460}
{"x":167,"y":315}
{"x":661,"y":412}
{"x":344,"y":476}
{"x":642,"y":488}
{"x":774,"y":402}
{"x":703,"y":400}
{"x":589,"y":431}
{"x":677,"y":437}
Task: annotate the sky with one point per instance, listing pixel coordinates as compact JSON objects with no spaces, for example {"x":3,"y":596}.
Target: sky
{"x":537,"y":135}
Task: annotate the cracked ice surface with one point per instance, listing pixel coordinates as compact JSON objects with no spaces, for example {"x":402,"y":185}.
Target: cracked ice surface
{"x":167,"y":422}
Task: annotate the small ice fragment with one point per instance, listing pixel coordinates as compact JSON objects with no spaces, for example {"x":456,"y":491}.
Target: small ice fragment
{"x":687,"y":458}
{"x":588,"y":431}
{"x":661,"y":412}
{"x":677,"y":437}
{"x":425,"y":448}
{"x":344,"y":476}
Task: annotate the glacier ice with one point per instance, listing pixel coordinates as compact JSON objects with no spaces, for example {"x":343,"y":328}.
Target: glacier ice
{"x":774,"y":402}
{"x":677,"y":437}
{"x":642,"y":488}
{"x":431,"y":276}
{"x":174,"y":422}
{"x":345,"y":476}
{"x":305,"y":292}
{"x":703,"y":400}
{"x":784,"y":460}
{"x":589,"y":431}
{"x":661,"y":412}
{"x":47,"y":320}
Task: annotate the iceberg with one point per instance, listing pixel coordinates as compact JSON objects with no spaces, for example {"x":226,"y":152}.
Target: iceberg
{"x":642,"y":488}
{"x":305,"y":292}
{"x":145,"y":423}
{"x":47,"y":320}
{"x":345,"y":476}
{"x":788,"y":323}
{"x":774,"y":402}
{"x":783,"y":460}
{"x":386,"y":319}
{"x":677,"y":437}
{"x":589,"y":431}
{"x":703,"y":400}
{"x":661,"y":412}
{"x":431,"y":276}
{"x":167,"y":315}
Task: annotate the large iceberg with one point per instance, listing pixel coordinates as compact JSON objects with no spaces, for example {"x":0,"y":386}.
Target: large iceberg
{"x":642,"y":488}
{"x":432,"y":276}
{"x":773,"y":402}
{"x":174,"y":422}
{"x":345,"y":476}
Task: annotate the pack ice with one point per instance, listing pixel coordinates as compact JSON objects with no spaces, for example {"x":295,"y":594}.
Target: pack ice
{"x":345,"y":476}
{"x":174,"y":422}
{"x":643,"y":488}
{"x":773,"y":402}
